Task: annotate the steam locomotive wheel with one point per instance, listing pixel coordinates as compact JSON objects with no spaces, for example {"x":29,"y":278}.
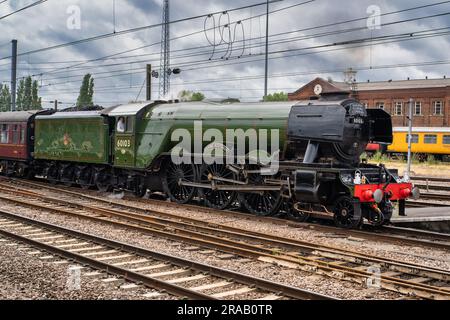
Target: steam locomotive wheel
{"x":103,"y":180}
{"x":68,"y":176}
{"x":3,"y":167}
{"x":346,"y":214}
{"x":173,"y":175}
{"x":83,"y":176}
{"x":263,"y":203}
{"x":53,"y":174}
{"x":217,"y":199}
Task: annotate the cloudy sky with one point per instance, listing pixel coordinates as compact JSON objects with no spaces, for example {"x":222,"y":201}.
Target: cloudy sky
{"x":307,"y":40}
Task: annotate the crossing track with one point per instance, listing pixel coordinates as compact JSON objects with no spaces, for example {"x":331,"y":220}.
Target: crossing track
{"x":142,"y":266}
{"x":409,"y":279}
{"x":435,"y":192}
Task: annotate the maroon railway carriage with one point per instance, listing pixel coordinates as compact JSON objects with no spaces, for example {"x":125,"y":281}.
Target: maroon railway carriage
{"x":16,"y":141}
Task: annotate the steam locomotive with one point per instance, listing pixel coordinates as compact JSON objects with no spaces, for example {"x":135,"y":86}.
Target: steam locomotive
{"x":297,"y":158}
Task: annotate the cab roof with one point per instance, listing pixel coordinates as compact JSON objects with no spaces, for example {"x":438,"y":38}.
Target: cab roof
{"x":131,"y":109}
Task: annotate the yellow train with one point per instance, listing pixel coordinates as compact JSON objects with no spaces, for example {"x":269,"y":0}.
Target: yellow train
{"x":425,"y":142}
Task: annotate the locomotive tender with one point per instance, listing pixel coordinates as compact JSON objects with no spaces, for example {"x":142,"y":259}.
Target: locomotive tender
{"x":131,"y":147}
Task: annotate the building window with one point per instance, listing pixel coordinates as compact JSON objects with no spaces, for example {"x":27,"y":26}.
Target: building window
{"x":438,"y":107}
{"x":446,"y":139}
{"x":380,"y":105}
{"x":399,"y":108}
{"x":430,"y":139}
{"x":414,"y":138}
{"x":418,"y":109}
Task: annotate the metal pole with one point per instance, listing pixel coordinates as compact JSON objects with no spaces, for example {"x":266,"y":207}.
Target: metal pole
{"x":13,"y":75}
{"x":56,"y":105}
{"x":149,"y":82}
{"x":267,"y":51}
{"x":410,"y":125}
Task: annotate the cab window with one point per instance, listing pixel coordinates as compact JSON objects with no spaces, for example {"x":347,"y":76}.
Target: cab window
{"x":430,"y":139}
{"x":414,"y":138}
{"x":4,"y":134}
{"x":124,"y":124}
{"x":129,"y":124}
{"x":446,"y":139}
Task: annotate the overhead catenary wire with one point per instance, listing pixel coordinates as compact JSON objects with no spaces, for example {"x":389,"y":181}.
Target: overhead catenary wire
{"x":282,"y":40}
{"x":158,"y":43}
{"x":114,"y":56}
{"x":22,"y":9}
{"x":295,"y":74}
{"x":132,"y":30}
{"x":361,"y":42}
{"x":64,"y":69}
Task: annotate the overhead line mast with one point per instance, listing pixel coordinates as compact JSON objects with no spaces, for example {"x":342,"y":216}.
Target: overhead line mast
{"x":164,"y":74}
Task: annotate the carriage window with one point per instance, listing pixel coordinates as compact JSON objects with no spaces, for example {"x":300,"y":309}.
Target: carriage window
{"x":4,"y":134}
{"x":446,"y":139}
{"x":414,"y":138}
{"x":430,"y":139}
{"x":22,"y":135}
{"x":16,"y":134}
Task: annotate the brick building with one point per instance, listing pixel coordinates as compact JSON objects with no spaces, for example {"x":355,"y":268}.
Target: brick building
{"x":431,"y":98}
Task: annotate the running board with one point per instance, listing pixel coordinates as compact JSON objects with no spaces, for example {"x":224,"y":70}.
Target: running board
{"x":246,"y":188}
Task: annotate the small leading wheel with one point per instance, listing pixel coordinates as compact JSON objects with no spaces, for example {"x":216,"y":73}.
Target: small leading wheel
{"x":261,"y":203}
{"x":347,"y":213}
{"x":298,"y":212}
{"x":217,"y":199}
{"x":173,"y":176}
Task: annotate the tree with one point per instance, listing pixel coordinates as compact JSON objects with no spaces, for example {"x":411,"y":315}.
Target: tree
{"x":187,"y":95}
{"x":85,"y":99}
{"x":36,"y":103}
{"x":20,"y":95}
{"x":277,"y":96}
{"x":27,"y":96}
{"x":5,"y":98}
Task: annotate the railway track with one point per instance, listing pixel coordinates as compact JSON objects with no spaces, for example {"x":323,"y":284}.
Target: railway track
{"x":404,"y":236}
{"x":405,"y":278}
{"x":429,"y":196}
{"x":431,"y":179}
{"x":163,"y":273}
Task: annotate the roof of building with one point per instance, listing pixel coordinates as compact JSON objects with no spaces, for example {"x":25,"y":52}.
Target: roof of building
{"x":396,"y":84}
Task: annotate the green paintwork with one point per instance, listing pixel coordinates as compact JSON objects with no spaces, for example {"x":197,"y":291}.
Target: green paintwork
{"x":84,"y":137}
{"x":75,"y":138}
{"x":155,"y":124}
